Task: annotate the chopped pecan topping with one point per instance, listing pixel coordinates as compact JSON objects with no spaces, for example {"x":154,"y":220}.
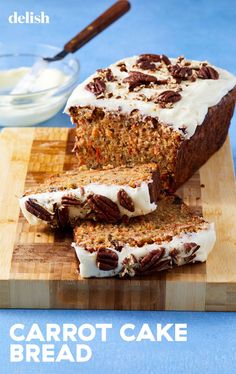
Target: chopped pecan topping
{"x":154,"y":58}
{"x":97,"y":87}
{"x":130,"y":265}
{"x":71,"y":200}
{"x":167,"y":97}
{"x":37,"y":210}
{"x":207,"y":72}
{"x":187,"y":63}
{"x":52,"y":189}
{"x":107,"y":73}
{"x":146,"y":65}
{"x":118,"y":246}
{"x":154,"y":261}
{"x":180,"y":72}
{"x":134,"y":112}
{"x":136,"y":78}
{"x":122,"y":66}
{"x":180,"y":59}
{"x":159,"y":82}
{"x":106,"y":259}
{"x":103,"y":208}
{"x":125,"y":200}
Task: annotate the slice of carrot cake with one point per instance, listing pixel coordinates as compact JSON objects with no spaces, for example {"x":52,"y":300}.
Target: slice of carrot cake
{"x":170,"y":236}
{"x":109,"y":195}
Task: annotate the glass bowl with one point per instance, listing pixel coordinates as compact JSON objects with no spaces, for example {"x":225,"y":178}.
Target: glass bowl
{"x":51,"y":90}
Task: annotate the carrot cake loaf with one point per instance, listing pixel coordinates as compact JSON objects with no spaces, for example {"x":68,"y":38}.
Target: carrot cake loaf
{"x":109,"y":195}
{"x":151,"y":108}
{"x":170,"y":236}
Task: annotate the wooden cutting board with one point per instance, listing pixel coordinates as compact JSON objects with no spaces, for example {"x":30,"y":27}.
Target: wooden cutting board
{"x":38,"y":268}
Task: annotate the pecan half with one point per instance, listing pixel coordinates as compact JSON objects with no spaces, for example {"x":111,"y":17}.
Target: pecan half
{"x":146,"y":65}
{"x":103,"y":208}
{"x":97,"y":87}
{"x":207,"y":72}
{"x":155,"y":187}
{"x":167,"y":97}
{"x":71,"y":200}
{"x":154,"y":261}
{"x":180,"y":72}
{"x":125,"y":200}
{"x":190,"y":249}
{"x":174,"y":254}
{"x":62,"y":216}
{"x":37,"y":210}
{"x":106,"y":259}
{"x":153,"y":58}
{"x":165,"y":59}
{"x":136,"y":78}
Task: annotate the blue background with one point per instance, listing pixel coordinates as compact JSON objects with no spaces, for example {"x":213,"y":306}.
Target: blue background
{"x":199,"y":30}
{"x":210,"y":347}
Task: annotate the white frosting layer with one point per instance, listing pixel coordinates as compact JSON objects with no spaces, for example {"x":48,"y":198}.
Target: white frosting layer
{"x":189,"y":112}
{"x":140,"y":196}
{"x":205,"y":238}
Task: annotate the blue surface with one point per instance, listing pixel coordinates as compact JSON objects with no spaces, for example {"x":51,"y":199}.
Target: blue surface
{"x":210,"y":347}
{"x":203,"y":29}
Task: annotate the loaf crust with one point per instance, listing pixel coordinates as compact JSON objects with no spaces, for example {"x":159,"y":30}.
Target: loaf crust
{"x":207,"y":139}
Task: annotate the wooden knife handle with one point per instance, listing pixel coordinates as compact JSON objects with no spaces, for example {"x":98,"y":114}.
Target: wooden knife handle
{"x":98,"y":25}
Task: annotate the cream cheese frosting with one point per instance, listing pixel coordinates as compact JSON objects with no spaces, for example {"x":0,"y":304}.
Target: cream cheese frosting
{"x":140,"y":196}
{"x":197,"y":96}
{"x":204,"y":238}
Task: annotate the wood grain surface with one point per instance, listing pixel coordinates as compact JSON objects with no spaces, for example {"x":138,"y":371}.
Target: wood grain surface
{"x":38,"y":267}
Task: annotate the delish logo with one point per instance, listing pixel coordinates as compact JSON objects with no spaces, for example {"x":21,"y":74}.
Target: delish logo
{"x":29,"y":17}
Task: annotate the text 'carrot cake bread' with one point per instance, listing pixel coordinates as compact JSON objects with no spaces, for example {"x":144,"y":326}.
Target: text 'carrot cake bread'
{"x":149,"y":108}
{"x":109,"y":195}
{"x":171,"y":236}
